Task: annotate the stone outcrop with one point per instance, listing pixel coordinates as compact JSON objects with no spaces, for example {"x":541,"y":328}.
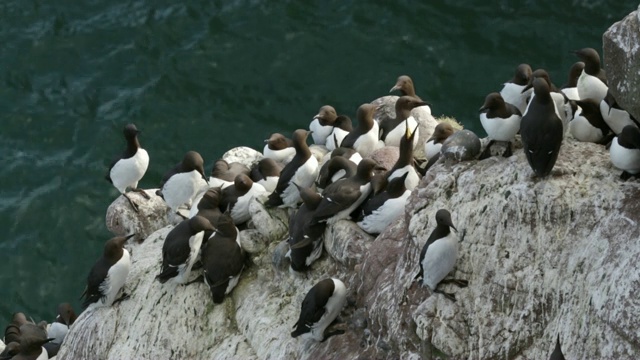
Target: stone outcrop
{"x":621,"y":50}
{"x":153,"y":213}
{"x":543,"y":258}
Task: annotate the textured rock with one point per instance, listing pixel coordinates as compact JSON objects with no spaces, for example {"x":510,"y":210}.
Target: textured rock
{"x":463,"y":145}
{"x":244,"y":155}
{"x":621,"y":50}
{"x":423,"y":116}
{"x":543,"y":257}
{"x":386,"y":156}
{"x":122,"y":220}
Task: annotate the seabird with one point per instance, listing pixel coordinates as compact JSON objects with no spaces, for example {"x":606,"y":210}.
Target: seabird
{"x":348,"y":153}
{"x":439,"y":254}
{"x":279,"y":148}
{"x":305,"y":238}
{"x":223,"y":174}
{"x":392,"y":130}
{"x":557,"y":351}
{"x":562,"y":105}
{"x":592,"y":83}
{"x":364,"y":138}
{"x":302,"y":170}
{"x":512,"y":90}
{"x":571,"y":87}
{"x":266,"y":172}
{"x":222,"y":259}
{"x":500,"y":120}
{"x":405,"y":161}
{"x":541,"y":130}
{"x":587,"y":124}
{"x":320,"y":307}
{"x":341,"y":128}
{"x":59,"y":328}
{"x":238,"y":197}
{"x":615,"y":116}
{"x":340,"y":198}
{"x":404,"y":84}
{"x":32,"y":341}
{"x":180,"y":249}
{"x":383,"y":209}
{"x":108,"y":274}
{"x":127,"y":169}
{"x":432,"y":146}
{"x":182,"y":183}
{"x":625,"y":151}
{"x":322,"y":124}
{"x":336,"y":168}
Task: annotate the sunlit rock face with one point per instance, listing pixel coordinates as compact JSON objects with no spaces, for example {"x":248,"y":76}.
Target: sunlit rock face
{"x":621,"y":50}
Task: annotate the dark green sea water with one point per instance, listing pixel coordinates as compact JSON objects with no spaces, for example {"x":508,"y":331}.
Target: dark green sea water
{"x":211,"y":75}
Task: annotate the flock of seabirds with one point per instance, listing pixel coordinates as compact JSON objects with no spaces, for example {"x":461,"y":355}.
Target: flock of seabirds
{"x":348,"y":184}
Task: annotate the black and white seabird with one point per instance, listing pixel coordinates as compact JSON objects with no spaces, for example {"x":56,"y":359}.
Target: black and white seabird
{"x":108,"y":274}
{"x":223,"y":174}
{"x":32,"y":341}
{"x":384,"y":208}
{"x":541,"y":130}
{"x":563,"y":107}
{"x":587,"y":124}
{"x":279,"y":148}
{"x":615,"y":116}
{"x":404,"y":84}
{"x":126,"y":170}
{"x":59,"y":328}
{"x":305,"y":237}
{"x":557,"y":351}
{"x":592,"y":83}
{"x":405,"y":163}
{"x":500,"y":120}
{"x":341,"y":128}
{"x":512,"y":90}
{"x":348,"y":153}
{"x":222,"y":259}
{"x":432,"y":146}
{"x":181,"y":184}
{"x":302,"y":170}
{"x":392,"y":130}
{"x":238,"y":197}
{"x":208,"y":208}
{"x":571,"y":87}
{"x":320,"y":307}
{"x":266,"y":172}
{"x":625,"y":151}
{"x":180,"y":249}
{"x":322,"y":124}
{"x":439,"y":254}
{"x":342,"y":197}
{"x":364,"y":138}
{"x":336,"y":168}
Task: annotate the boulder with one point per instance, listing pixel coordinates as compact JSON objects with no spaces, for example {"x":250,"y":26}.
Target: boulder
{"x":122,"y":220}
{"x":243,"y":155}
{"x":621,"y":52}
{"x":462,"y":145}
{"x":386,"y":156}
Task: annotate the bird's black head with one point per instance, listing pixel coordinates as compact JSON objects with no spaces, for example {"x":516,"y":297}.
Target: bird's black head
{"x":443,"y":217}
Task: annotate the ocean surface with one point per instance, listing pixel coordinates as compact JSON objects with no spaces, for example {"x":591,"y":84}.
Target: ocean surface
{"x":210,"y":75}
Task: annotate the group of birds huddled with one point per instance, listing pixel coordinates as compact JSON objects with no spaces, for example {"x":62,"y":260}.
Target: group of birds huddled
{"x":345,"y":184}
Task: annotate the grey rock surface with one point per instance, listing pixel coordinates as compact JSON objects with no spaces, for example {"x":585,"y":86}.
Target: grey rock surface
{"x":122,"y":220}
{"x":463,"y":145}
{"x":386,"y":156}
{"x":621,"y":50}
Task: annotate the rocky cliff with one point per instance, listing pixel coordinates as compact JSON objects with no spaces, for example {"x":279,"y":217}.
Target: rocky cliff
{"x":543,"y":258}
{"x":621,"y":48}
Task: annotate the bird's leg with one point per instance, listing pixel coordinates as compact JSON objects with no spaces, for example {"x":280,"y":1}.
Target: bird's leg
{"x":197,"y":265}
{"x":198,"y":279}
{"x":142,"y":192}
{"x":487,"y":151}
{"x":332,"y":333}
{"x":449,"y":296}
{"x":459,"y":282}
{"x":625,"y":176}
{"x":133,"y":205}
{"x":508,"y":152}
{"x":122,"y":297}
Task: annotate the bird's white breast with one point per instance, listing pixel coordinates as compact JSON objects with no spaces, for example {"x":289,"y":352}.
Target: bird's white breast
{"x":439,"y":260}
{"x":501,"y":129}
{"x":623,"y":158}
{"x":590,"y":87}
{"x":304,"y":176}
{"x":382,"y":217}
{"x":127,"y":172}
{"x":367,"y":143}
{"x":396,"y":134}
{"x":582,"y":130}
{"x":182,"y":188}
